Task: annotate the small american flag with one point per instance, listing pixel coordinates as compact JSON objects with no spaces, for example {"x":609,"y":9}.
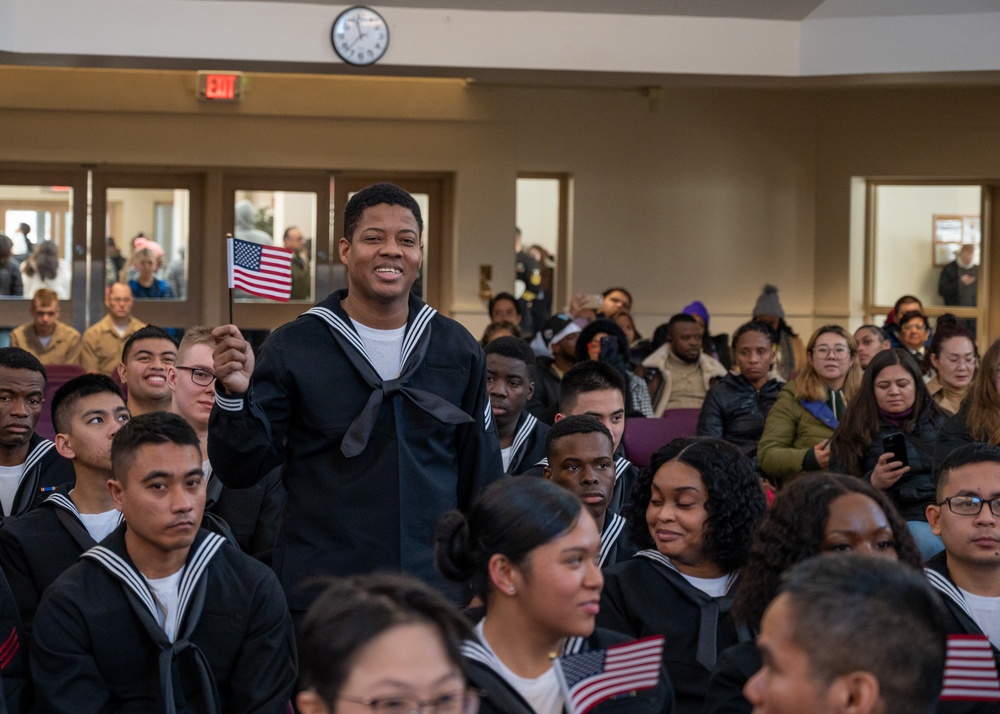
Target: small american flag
{"x":261,"y":270}
{"x":589,"y":678}
{"x":970,"y":672}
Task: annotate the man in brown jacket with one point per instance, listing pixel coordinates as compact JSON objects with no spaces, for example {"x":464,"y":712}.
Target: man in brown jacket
{"x":103,"y":341}
{"x":51,"y":341}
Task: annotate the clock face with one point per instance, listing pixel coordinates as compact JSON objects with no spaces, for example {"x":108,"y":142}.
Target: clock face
{"x":360,"y":35}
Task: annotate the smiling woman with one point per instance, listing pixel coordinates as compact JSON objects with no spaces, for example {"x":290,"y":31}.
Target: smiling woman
{"x":798,"y":429}
{"x":694,"y":510}
{"x":541,"y":585}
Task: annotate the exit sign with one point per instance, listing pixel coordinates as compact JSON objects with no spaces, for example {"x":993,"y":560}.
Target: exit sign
{"x":220,"y":86}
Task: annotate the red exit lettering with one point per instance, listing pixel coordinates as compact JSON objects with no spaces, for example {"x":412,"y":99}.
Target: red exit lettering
{"x":226,"y":87}
{"x":220,"y":86}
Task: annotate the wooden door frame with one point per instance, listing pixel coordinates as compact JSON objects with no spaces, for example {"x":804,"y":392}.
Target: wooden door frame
{"x":169,"y":312}
{"x":563,"y":287}
{"x":987,"y":320}
{"x":14,"y":312}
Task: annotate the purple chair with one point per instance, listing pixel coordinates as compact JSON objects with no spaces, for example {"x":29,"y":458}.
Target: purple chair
{"x":645,"y":436}
{"x":58,"y":375}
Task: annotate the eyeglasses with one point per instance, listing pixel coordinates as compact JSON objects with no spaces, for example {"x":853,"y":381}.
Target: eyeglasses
{"x":839,"y":351}
{"x":919,"y":327}
{"x":201,"y":377}
{"x":465,"y":701}
{"x":121,"y":301}
{"x":971,"y":505}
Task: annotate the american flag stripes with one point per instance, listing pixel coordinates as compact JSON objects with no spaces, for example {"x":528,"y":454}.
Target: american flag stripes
{"x":261,"y":270}
{"x":589,"y":678}
{"x":970,"y":672}
{"x":9,"y":648}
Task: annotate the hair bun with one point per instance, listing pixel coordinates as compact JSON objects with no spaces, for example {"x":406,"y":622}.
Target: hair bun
{"x":454,"y":553}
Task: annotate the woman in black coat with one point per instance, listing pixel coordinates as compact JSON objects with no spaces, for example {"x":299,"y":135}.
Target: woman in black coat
{"x":893,"y":403}
{"x":736,"y":406}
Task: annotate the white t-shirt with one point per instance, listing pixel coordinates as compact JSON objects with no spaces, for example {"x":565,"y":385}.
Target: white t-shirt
{"x":206,"y":466}
{"x":165,"y":593}
{"x":10,"y":479}
{"x":100,"y":525}
{"x":713,"y":587}
{"x":542,"y":693}
{"x":986,"y":613}
{"x":44,"y":340}
{"x":506,"y":455}
{"x":384,"y":348}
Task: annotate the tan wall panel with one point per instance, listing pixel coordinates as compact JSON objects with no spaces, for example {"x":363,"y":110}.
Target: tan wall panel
{"x":692,"y":194}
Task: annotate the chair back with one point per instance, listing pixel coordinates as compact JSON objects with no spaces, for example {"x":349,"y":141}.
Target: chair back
{"x":57,"y":375}
{"x":643,"y":437}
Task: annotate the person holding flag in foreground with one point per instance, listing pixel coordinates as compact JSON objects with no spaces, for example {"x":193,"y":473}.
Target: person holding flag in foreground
{"x":375,"y":403}
{"x":542,"y":586}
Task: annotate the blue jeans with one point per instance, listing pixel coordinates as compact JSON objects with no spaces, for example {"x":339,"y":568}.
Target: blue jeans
{"x":928,"y":543}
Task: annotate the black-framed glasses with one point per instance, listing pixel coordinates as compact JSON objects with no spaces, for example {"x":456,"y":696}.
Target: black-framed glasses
{"x":464,"y":701}
{"x":201,"y":377}
{"x":971,"y":505}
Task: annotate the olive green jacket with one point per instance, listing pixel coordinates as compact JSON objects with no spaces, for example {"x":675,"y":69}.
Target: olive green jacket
{"x":790,"y":433}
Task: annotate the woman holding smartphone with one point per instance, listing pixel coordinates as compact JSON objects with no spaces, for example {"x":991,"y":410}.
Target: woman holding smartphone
{"x":799,"y":426}
{"x":888,"y":435}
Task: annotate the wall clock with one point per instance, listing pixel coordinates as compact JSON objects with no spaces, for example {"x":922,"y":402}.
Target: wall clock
{"x":360,"y":35}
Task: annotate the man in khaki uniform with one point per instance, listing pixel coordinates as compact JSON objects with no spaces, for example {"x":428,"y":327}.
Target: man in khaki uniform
{"x":51,"y":341}
{"x":103,"y":341}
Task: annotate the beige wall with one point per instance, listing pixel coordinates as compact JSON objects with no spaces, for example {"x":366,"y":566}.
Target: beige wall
{"x":703,"y":193}
{"x":903,"y":238}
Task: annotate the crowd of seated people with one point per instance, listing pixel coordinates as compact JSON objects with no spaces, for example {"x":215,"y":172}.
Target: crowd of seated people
{"x":146,"y":561}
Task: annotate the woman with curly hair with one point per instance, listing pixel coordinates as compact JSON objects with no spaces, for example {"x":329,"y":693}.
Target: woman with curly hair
{"x":541,"y":585}
{"x":819,"y":513}
{"x":797,"y":432}
{"x":694,"y":511}
{"x":893,"y":402}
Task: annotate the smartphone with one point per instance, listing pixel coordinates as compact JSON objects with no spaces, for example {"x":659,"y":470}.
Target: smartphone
{"x":594,"y":301}
{"x":896,"y":445}
{"x":609,"y":348}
